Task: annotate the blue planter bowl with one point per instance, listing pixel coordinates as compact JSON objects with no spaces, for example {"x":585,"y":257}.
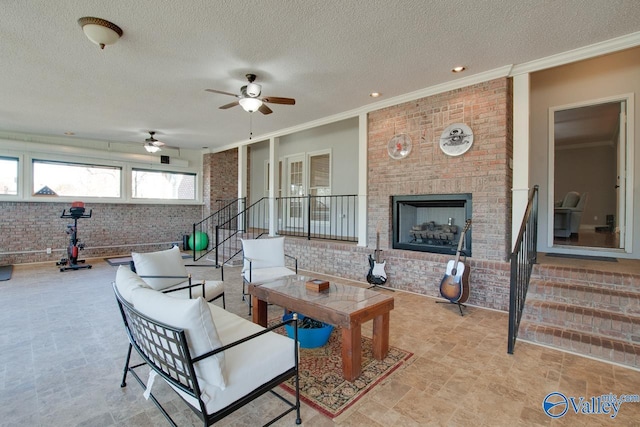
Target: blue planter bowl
{"x":309,"y":338}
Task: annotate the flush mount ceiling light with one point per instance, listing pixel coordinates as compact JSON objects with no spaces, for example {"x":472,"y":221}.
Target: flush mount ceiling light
{"x":99,"y":31}
{"x":250,"y":104}
{"x":458,"y":69}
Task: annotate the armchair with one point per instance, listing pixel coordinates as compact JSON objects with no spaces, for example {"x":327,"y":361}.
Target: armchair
{"x":263,"y":260}
{"x":165,"y":271}
{"x":567,"y":214}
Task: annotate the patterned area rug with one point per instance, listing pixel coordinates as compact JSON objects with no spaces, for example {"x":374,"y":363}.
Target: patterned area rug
{"x":321,"y":383}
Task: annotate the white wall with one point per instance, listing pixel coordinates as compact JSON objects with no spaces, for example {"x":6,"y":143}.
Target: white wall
{"x":340,"y":137}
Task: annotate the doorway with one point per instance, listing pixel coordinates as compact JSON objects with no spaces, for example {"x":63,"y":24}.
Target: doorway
{"x":588,"y":194}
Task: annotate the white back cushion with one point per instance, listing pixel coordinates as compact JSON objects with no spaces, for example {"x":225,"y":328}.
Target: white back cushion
{"x":194,"y":316}
{"x":264,"y":253}
{"x":161,"y":263}
{"x":127,"y":281}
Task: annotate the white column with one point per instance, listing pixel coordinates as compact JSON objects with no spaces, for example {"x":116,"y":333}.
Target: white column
{"x":242,"y":181}
{"x":362,"y":179}
{"x":520,"y":163}
{"x":274,"y":167}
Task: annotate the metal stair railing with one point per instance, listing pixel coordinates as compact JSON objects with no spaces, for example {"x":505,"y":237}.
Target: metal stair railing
{"x":523,"y":257}
{"x":313,"y":217}
{"x":227,"y":209}
{"x":318,"y":217}
{"x":250,"y":223}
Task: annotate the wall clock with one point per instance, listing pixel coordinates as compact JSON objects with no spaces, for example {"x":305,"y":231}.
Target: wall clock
{"x":456,"y":139}
{"x":399,"y":146}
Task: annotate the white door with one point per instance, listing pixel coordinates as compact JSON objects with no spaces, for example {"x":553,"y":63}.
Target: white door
{"x":294,"y":205}
{"x":588,"y":150}
{"x":621,"y":186}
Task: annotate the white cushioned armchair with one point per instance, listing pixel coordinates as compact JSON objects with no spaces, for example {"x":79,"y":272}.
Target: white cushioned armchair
{"x":165,"y":271}
{"x":204,"y":353}
{"x":264,"y":260}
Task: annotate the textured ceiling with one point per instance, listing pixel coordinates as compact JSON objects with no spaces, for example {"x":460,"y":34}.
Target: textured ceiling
{"x":327,"y":54}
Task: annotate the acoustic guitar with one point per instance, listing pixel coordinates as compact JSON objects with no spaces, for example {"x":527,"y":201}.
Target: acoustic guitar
{"x":455,"y":283}
{"x":377,"y":276}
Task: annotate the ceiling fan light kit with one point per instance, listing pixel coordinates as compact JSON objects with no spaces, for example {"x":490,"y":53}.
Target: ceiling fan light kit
{"x":151,"y":148}
{"x":250,"y":105}
{"x":100,"y":31}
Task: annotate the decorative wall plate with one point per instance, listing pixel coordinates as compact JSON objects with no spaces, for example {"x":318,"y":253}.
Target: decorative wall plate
{"x":399,"y":146}
{"x":456,"y":139}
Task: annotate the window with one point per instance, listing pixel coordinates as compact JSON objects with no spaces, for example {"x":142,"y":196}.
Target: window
{"x":320,"y":186}
{"x":8,"y":176}
{"x":75,"y":180}
{"x":146,"y":184}
{"x":320,"y":175}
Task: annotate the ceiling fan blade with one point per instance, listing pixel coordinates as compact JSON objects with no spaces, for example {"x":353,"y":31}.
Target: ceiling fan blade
{"x":277,"y":100}
{"x":232,"y":104}
{"x":158,"y":143}
{"x":265,"y":110}
{"x":221,"y":92}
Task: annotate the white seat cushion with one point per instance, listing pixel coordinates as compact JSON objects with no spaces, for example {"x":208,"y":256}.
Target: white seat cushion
{"x":267,"y":274}
{"x":127,"y":281}
{"x":161,"y":263}
{"x":250,"y":364}
{"x":212,"y":289}
{"x":194,"y":316}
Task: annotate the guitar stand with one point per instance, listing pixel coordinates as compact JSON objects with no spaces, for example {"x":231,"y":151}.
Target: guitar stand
{"x":459,"y":304}
{"x":373,"y":286}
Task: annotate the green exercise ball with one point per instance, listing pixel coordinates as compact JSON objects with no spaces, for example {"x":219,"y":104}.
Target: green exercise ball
{"x":201,"y":241}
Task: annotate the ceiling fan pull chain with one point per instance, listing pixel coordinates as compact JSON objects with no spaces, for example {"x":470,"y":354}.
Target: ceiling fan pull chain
{"x":250,"y":126}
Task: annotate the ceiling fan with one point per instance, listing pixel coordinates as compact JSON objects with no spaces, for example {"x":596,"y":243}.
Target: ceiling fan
{"x":152,"y":145}
{"x":249,"y":98}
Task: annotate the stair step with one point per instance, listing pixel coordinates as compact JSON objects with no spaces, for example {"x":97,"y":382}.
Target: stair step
{"x":584,"y":319}
{"x":563,"y":274}
{"x":593,"y":296}
{"x":608,"y":349}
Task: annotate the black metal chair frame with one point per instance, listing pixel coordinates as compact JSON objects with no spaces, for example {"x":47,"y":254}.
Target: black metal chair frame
{"x":174,"y":363}
{"x":189,"y":286}
{"x":245,"y":283}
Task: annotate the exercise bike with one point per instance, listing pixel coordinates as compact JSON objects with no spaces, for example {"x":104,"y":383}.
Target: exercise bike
{"x":72,"y":262}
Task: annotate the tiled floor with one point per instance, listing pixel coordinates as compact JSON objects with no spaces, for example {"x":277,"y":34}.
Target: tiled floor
{"x":62,"y":348}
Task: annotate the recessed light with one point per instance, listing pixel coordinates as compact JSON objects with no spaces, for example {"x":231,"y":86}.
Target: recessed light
{"x":69,"y":133}
{"x":374,"y":94}
{"x":458,"y":69}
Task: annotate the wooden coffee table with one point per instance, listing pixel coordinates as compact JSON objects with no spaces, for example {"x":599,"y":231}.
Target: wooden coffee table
{"x":343,"y":306}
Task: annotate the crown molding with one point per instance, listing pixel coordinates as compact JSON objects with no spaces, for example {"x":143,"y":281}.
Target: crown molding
{"x":582,"y":53}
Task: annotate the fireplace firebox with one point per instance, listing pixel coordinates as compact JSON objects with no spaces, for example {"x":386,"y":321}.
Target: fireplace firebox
{"x":431,"y":222}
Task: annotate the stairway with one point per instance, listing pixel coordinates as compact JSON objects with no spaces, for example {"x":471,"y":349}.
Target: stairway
{"x":585,"y":311}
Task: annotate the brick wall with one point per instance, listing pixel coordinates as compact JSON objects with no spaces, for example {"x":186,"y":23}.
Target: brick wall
{"x":28,"y":228}
{"x":220,"y":177}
